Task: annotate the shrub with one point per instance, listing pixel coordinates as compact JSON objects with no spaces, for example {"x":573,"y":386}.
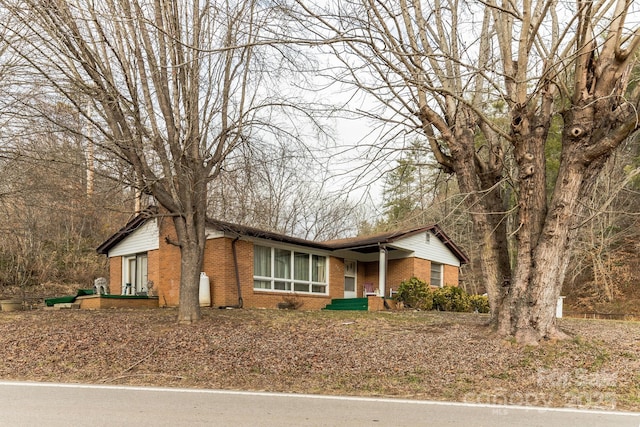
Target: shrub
{"x":415,"y":293}
{"x":451,"y":298}
{"x":479,"y":303}
{"x":290,"y":303}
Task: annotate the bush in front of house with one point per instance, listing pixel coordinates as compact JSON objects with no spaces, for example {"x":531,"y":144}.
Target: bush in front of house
{"x":479,"y":303}
{"x":451,"y":298}
{"x":415,"y":293}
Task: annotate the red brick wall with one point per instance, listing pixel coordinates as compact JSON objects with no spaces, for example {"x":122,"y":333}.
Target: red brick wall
{"x":371,"y":270}
{"x":168,"y":273}
{"x":451,"y":275}
{"x":93,"y":302}
{"x":153,"y":267}
{"x":115,"y":275}
{"x":265,"y":299}
{"x":375,"y":303}
{"x":336,"y":277}
{"x":164,"y":271}
{"x":219,"y":266}
{"x":399,"y":270}
{"x":244,"y":253}
{"x":422,"y":269}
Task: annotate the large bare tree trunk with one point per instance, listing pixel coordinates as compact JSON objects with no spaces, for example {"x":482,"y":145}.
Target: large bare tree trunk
{"x":191,"y":230}
{"x":486,"y":209}
{"x":597,"y":122}
{"x":191,"y":255}
{"x":484,"y":89}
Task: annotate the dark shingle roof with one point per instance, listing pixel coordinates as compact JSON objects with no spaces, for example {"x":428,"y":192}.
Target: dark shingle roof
{"x":393,"y":236}
{"x":362,"y":244}
{"x":244,"y":230}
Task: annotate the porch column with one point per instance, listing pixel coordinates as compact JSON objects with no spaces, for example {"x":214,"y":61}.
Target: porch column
{"x":382,"y":285}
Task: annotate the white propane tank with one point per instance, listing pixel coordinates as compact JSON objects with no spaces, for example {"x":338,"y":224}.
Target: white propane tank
{"x":205,"y":291}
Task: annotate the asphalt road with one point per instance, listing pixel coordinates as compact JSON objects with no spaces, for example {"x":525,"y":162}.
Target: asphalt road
{"x":47,"y":404}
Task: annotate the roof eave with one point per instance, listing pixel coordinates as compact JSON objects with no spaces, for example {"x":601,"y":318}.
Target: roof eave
{"x":240,"y":230}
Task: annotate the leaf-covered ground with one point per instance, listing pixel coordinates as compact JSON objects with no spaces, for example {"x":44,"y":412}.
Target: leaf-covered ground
{"x":417,"y":355}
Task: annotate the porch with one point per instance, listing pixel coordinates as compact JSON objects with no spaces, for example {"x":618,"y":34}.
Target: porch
{"x":98,"y":302}
{"x":86,"y":299}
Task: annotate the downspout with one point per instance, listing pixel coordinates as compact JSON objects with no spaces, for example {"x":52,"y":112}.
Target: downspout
{"x":235,"y":266}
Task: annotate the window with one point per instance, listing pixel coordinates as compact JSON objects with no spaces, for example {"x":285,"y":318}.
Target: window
{"x":293,"y":271}
{"x":134,"y":274}
{"x":282,"y":269}
{"x":261,"y":266}
{"x":436,"y":274}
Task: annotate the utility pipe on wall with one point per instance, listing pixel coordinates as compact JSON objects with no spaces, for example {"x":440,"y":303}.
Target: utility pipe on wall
{"x":382,"y":286}
{"x":235,"y":265}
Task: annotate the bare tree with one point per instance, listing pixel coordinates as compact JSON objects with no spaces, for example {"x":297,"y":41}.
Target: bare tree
{"x":439,"y":67}
{"x":282,"y":191}
{"x":50,"y":229}
{"x":170,"y":87}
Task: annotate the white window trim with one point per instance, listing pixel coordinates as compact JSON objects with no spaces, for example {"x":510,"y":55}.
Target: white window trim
{"x":135,"y":287}
{"x":441,"y":274}
{"x":292,"y":281}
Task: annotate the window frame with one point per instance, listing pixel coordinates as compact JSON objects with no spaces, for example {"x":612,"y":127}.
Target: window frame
{"x":140,"y":263}
{"x":293,"y":284}
{"x":351,"y":275}
{"x":440,"y":272}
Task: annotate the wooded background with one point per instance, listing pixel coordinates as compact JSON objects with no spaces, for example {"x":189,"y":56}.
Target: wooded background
{"x":92,"y":128}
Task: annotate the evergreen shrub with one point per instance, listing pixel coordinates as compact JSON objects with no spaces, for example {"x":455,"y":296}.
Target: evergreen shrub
{"x":415,"y":293}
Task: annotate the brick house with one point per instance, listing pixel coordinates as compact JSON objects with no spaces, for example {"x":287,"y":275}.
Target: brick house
{"x":250,"y":267}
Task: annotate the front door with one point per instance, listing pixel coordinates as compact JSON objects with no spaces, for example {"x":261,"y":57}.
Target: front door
{"x":350,"y":286}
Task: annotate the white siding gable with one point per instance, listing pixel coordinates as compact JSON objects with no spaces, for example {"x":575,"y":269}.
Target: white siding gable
{"x":430,"y":248}
{"x":145,"y":238}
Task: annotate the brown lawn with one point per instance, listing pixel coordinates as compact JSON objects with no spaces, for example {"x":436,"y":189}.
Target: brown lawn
{"x":416,"y":355}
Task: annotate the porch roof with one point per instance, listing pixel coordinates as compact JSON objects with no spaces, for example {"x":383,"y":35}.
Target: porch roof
{"x":372,"y":243}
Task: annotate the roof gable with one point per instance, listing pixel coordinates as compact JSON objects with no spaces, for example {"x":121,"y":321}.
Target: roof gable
{"x":390,"y":237}
{"x":131,"y":226}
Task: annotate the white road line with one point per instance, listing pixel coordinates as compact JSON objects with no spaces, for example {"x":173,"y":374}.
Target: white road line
{"x":316,"y":396}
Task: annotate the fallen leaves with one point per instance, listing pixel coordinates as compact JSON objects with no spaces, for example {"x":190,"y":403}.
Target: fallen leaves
{"x":414,"y":355}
